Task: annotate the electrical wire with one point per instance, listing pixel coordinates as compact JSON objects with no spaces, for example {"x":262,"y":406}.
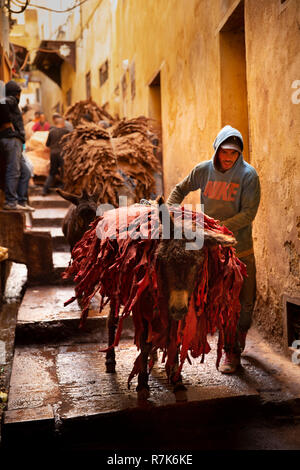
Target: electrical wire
{"x":23,"y":7}
{"x":25,"y":62}
{"x":28,"y":3}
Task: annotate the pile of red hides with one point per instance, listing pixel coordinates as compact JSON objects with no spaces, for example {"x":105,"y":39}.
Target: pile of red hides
{"x":125,"y":271}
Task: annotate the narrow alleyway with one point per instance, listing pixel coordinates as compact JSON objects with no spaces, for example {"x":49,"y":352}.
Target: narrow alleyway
{"x":59,"y":392}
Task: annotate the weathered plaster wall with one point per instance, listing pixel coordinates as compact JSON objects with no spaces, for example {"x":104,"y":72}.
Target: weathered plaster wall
{"x":5,"y":71}
{"x":274,"y":128}
{"x":4,"y":30}
{"x":92,"y":49}
{"x":26,"y":35}
{"x":178,"y":39}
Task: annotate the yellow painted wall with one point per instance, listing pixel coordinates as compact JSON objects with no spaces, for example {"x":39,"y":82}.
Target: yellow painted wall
{"x":26,"y":35}
{"x":5,"y":66}
{"x":178,"y":39}
{"x":273,"y":65}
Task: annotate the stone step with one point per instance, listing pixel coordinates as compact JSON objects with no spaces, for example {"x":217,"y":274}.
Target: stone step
{"x":51,"y":200}
{"x":61,"y":261}
{"x":42,"y":318}
{"x":58,"y":238}
{"x":48,"y":217}
{"x":37,"y":189}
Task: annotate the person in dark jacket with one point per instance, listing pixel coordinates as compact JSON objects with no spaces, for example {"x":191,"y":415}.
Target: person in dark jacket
{"x":56,"y":159}
{"x":12,"y":139}
{"x":230,"y":193}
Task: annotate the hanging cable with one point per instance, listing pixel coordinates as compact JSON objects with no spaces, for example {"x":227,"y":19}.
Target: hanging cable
{"x":23,"y":7}
{"x":18,"y":2}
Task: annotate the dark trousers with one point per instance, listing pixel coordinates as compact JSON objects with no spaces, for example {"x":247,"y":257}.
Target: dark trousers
{"x":11,"y":148}
{"x":56,"y":168}
{"x":248,"y":294}
{"x":247,"y":300}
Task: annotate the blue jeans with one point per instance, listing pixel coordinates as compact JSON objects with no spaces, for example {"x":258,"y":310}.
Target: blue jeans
{"x":25,"y":175}
{"x":11,"y":149}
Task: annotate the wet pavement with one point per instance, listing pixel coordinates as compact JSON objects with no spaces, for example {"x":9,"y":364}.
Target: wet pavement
{"x":73,"y":379}
{"x":61,"y":392}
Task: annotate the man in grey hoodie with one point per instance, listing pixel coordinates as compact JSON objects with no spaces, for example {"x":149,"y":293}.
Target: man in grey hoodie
{"x":230,"y":192}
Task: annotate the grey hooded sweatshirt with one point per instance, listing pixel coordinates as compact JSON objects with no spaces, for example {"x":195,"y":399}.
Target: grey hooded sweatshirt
{"x":232,"y":197}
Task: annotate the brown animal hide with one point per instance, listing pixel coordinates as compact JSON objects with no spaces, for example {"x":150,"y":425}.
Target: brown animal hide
{"x":75,"y":113}
{"x":114,"y":161}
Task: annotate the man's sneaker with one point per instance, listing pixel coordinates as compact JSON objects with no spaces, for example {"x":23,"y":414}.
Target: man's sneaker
{"x":27,"y":208}
{"x":12,"y":207}
{"x":231,"y":363}
{"x":18,"y":207}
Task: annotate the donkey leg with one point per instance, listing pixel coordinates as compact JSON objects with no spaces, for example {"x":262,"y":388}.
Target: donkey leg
{"x":143,"y":387}
{"x":112,"y":324}
{"x":177,"y":383}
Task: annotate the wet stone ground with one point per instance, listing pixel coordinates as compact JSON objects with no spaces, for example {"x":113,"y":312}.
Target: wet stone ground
{"x":63,"y":391}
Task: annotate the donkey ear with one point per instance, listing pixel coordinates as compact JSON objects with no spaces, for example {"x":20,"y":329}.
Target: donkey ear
{"x":69,"y":197}
{"x":160,"y":200}
{"x":95,"y":195}
{"x":84,"y":195}
{"x":213,"y":238}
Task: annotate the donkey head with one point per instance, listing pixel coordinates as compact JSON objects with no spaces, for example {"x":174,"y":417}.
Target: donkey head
{"x":86,"y":206}
{"x":179,"y":266}
{"x":79,"y":216}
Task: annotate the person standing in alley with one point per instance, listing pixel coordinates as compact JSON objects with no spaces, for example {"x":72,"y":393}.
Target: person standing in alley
{"x":56,"y":159}
{"x":68,"y":125}
{"x":41,"y":124}
{"x":230,"y":193}
{"x":12,"y":139}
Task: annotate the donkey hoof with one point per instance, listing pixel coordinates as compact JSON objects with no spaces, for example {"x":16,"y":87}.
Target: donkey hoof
{"x":179,"y":387}
{"x":110,"y":368}
{"x":143,"y":394}
{"x":181,"y":395}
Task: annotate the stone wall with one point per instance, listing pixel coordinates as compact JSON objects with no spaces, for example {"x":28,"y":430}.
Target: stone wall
{"x":274,"y":119}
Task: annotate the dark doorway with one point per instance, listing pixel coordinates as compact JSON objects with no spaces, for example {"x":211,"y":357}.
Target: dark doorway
{"x":234,"y":102}
{"x":155,"y":114}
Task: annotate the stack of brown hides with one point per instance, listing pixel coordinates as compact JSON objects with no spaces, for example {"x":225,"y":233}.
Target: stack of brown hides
{"x":76,"y":112}
{"x":108,"y":160}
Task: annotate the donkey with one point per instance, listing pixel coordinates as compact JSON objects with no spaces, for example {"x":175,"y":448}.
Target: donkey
{"x":179,"y":268}
{"x":79,"y":216}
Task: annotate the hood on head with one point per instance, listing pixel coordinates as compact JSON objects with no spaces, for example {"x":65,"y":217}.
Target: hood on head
{"x":12,"y":88}
{"x":223,"y":135}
